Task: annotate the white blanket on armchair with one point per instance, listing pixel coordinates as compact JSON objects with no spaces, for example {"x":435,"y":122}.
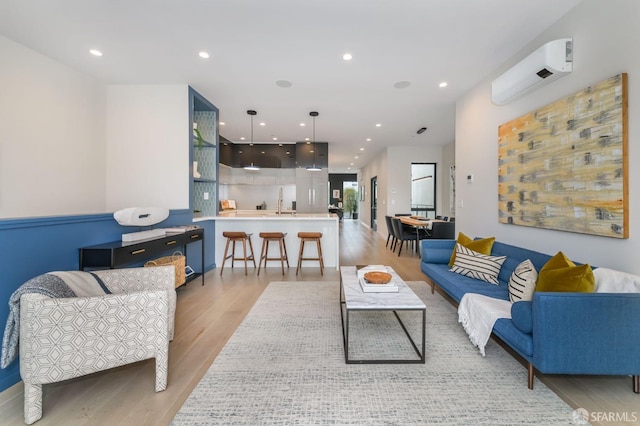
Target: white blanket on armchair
{"x":478,"y":313}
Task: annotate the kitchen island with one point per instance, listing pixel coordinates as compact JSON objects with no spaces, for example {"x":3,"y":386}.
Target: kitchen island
{"x":256,"y":221}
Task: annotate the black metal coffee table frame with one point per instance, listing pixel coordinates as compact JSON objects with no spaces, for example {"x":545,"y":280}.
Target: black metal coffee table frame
{"x":344,"y":317}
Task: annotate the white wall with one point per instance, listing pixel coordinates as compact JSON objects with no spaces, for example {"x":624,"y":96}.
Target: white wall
{"x":448,"y":160}
{"x":377,"y":167}
{"x":52,"y":137}
{"x":393,"y":169}
{"x":606,"y":41}
{"x":148,"y":135}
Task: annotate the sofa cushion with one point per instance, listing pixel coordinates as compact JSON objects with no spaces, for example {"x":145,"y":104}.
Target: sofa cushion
{"x":561,"y":274}
{"x":515,"y":255}
{"x":483,"y":245}
{"x":514,"y":337}
{"x":522,"y":282}
{"x":436,"y":255}
{"x":521,"y":316}
{"x":456,"y":285}
{"x":477,"y":265}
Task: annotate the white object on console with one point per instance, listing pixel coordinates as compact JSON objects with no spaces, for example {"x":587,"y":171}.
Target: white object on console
{"x":141,"y":216}
{"x":143,"y":235}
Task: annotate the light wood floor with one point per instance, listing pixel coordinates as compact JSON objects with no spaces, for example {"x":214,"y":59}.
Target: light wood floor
{"x":205,"y":319}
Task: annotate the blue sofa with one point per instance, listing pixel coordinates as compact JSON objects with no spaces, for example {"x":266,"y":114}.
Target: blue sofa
{"x":556,"y":333}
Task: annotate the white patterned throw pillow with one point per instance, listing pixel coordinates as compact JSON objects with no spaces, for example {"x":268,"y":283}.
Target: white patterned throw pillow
{"x":477,"y":265}
{"x":522,"y":283}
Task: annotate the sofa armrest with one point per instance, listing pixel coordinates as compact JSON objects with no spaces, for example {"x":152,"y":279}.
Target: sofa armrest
{"x":586,"y":333}
{"x":437,"y":251}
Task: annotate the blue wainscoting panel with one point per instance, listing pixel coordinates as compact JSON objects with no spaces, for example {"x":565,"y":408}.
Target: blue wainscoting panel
{"x":34,"y":246}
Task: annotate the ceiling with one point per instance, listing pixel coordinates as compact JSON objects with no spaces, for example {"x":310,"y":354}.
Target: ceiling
{"x":255,"y":43}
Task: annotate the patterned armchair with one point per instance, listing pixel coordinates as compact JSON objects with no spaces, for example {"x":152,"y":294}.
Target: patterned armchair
{"x":63,"y":338}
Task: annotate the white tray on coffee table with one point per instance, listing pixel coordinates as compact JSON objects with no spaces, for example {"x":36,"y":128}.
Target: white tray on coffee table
{"x":367,"y":287}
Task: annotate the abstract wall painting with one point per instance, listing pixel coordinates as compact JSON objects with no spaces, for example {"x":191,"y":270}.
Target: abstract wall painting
{"x":565,"y":165}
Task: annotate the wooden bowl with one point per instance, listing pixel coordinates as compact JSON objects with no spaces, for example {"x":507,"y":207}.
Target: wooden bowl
{"x":377,"y":277}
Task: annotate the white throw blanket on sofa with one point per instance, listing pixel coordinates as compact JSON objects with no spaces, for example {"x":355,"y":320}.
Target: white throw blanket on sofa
{"x":478,"y":313}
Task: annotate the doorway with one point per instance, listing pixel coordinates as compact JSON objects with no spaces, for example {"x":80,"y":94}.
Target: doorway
{"x":374,"y":203}
{"x":423,"y":189}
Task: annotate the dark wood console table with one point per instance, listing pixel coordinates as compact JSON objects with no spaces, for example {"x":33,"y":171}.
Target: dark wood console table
{"x":116,"y":254}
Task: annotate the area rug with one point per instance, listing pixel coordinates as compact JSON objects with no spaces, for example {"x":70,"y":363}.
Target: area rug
{"x":285,"y":365}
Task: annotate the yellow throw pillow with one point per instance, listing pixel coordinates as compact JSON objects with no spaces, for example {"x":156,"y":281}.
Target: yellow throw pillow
{"x":482,"y":246}
{"x":561,"y":274}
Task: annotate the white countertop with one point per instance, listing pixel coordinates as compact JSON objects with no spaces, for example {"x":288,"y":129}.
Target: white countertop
{"x":267,"y":215}
{"x":256,"y":221}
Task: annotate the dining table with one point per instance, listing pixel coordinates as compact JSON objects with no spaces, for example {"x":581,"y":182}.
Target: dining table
{"x":419,"y":223}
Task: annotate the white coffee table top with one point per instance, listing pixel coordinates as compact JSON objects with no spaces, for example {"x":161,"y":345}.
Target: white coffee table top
{"x":355,"y":298}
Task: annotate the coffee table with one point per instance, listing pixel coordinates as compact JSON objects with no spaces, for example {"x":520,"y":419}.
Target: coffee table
{"x":352,"y":299}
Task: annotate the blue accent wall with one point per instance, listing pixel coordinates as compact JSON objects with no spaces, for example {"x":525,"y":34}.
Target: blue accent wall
{"x":34,"y":246}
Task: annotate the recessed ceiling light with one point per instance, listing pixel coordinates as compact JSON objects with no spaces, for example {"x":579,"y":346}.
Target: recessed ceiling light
{"x":368,"y":139}
{"x":302,"y":124}
{"x":95,"y":52}
{"x":443,"y":84}
{"x":356,"y":157}
{"x":284,"y":83}
{"x":275,"y":139}
{"x":203,"y":55}
{"x":263,"y":123}
{"x":306,"y":139}
{"x":378,"y":125}
{"x":351,"y":164}
{"x":261,"y":152}
{"x":347,"y":56}
{"x":222,"y":123}
{"x":242,"y":138}
{"x":361,"y":149}
{"x":402,"y":84}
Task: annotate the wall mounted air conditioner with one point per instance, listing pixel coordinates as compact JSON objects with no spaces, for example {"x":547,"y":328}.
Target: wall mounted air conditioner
{"x":550,"y":62}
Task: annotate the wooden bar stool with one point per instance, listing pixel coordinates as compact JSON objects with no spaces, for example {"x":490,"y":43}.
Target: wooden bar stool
{"x":237,"y":237}
{"x":310,"y":237}
{"x":278,"y":237}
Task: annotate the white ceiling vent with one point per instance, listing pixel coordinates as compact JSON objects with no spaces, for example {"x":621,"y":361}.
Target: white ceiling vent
{"x":548,"y":63}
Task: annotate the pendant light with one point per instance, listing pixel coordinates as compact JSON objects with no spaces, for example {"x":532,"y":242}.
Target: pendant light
{"x":314,"y":168}
{"x":252,"y":166}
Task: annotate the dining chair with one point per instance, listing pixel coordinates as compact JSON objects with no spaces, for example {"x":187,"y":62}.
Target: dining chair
{"x":443,"y":230}
{"x":391,"y":236}
{"x":402,"y":234}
